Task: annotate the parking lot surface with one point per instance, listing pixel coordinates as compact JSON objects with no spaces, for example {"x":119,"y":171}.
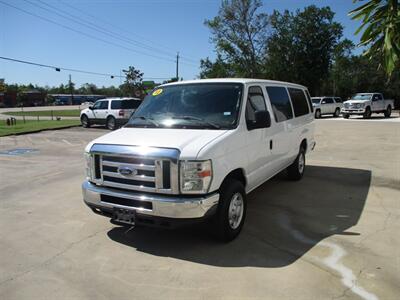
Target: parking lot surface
{"x":333,"y":235}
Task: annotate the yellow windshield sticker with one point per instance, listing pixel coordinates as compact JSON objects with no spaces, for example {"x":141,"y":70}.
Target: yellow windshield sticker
{"x":157,"y":92}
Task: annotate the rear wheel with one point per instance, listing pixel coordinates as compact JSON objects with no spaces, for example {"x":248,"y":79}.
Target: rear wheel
{"x":367,"y":113}
{"x":388,"y":112}
{"x":318,"y":114}
{"x":296,"y":170}
{"x":231,"y":211}
{"x":85,"y":121}
{"x":111,"y":123}
{"x":337,"y":112}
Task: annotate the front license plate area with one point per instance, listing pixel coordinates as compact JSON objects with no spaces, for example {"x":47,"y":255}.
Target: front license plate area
{"x":124,"y":215}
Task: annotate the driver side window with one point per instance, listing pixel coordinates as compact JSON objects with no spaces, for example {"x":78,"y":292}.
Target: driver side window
{"x":255,"y":102}
{"x":97,"y":105}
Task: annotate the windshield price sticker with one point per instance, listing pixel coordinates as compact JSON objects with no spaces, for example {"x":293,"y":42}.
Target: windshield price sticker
{"x":157,"y":92}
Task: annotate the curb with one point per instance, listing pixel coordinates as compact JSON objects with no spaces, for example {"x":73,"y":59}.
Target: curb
{"x":40,"y":130}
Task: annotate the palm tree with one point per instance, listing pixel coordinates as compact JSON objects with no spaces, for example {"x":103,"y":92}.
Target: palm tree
{"x":381,"y":25}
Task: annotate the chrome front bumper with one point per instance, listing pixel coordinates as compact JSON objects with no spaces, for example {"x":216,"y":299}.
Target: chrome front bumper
{"x":162,"y":206}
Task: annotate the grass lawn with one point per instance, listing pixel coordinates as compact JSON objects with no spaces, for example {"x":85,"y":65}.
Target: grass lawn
{"x":30,"y":126}
{"x":44,"y":113}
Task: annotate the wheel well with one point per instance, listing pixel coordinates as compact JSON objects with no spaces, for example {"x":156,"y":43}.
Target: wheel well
{"x":110,"y":116}
{"x":237,"y":174}
{"x":304,"y":144}
{"x":84,"y":115}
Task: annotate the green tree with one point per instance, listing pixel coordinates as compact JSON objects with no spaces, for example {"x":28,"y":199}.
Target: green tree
{"x":239,"y":33}
{"x":217,"y":69}
{"x":381,"y":31}
{"x":133,"y":82}
{"x":301,"y":46}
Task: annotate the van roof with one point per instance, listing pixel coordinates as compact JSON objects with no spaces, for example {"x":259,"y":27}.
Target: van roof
{"x":235,"y":80}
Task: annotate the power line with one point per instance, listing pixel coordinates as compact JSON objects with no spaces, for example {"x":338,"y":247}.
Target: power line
{"x":93,"y":26}
{"x":86,"y":34}
{"x":122,"y":29}
{"x":58,"y":69}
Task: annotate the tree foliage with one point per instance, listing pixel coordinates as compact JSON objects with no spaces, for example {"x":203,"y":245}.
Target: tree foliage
{"x":239,"y":33}
{"x":133,"y":85}
{"x":301,"y":46}
{"x":381,"y":31}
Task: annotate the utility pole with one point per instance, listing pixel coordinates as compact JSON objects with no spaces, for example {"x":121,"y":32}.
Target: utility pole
{"x":71,"y":89}
{"x":177,"y":66}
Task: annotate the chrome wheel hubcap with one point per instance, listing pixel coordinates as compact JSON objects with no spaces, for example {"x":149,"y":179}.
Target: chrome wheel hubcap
{"x":235,"y":214}
{"x":301,"y":163}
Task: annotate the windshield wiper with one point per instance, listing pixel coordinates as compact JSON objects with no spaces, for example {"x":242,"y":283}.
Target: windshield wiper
{"x":216,"y":126}
{"x":151,"y":120}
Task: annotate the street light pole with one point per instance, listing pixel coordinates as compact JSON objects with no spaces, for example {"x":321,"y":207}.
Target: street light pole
{"x":177,"y":66}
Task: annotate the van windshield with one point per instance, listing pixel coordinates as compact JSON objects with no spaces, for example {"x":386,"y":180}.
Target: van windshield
{"x":194,"y":106}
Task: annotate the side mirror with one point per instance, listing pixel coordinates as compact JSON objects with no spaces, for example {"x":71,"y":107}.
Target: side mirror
{"x":262,"y":120}
{"x":91,"y":107}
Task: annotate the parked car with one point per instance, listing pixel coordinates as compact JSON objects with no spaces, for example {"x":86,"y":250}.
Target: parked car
{"x":326,"y":106}
{"x":194,"y":149}
{"x":367,"y":103}
{"x":112,"y":112}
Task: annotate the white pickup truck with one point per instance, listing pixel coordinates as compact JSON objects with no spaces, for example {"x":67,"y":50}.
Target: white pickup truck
{"x":194,"y":149}
{"x":367,"y":103}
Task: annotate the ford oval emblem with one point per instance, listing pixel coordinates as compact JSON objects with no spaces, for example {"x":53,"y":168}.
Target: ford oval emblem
{"x":127,"y":171}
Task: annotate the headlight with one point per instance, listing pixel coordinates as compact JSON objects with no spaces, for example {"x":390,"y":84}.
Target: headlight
{"x":195,"y":176}
{"x":88,"y":165}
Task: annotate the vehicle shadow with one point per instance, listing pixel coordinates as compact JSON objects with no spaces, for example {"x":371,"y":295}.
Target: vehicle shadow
{"x":284,"y":220}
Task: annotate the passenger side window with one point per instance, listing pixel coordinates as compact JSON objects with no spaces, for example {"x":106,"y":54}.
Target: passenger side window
{"x":255,"y":102}
{"x":97,"y":105}
{"x":280,"y":103}
{"x":103,"y":105}
{"x":300,"y":105}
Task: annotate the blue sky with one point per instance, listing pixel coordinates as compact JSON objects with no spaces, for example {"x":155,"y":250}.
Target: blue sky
{"x":166,"y":26}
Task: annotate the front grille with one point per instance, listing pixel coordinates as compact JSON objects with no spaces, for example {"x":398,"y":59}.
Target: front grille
{"x":148,"y":175}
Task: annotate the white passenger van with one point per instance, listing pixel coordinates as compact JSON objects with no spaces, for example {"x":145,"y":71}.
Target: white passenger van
{"x":194,"y":149}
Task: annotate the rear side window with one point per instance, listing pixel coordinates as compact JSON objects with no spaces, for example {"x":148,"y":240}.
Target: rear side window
{"x":338,"y":100}
{"x":280,"y":103}
{"x":125,"y":104}
{"x":255,"y":103}
{"x":299,"y":101}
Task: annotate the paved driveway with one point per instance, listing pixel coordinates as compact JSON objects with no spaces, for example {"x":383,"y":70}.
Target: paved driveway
{"x":335,"y":234}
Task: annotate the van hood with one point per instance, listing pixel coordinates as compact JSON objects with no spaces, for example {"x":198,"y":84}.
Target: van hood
{"x":188,"y":141}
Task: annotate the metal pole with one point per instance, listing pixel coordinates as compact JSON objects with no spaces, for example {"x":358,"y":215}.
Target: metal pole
{"x":177,"y":66}
{"x":71,"y":89}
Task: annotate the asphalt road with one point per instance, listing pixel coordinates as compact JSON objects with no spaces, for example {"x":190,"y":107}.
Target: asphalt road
{"x":335,"y":234}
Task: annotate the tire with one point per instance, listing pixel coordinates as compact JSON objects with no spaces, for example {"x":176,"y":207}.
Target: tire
{"x":346,"y":116}
{"x":296,"y":170}
{"x":388,"y":112}
{"x":336,"y":113}
{"x":85,"y":121}
{"x":229,"y":218}
{"x":367,"y":113}
{"x":111,"y":123}
{"x":318,"y":114}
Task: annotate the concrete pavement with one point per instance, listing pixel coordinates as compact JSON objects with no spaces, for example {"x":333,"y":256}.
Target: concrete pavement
{"x":332,"y":235}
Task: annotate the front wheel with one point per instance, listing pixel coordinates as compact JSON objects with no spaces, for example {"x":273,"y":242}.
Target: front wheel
{"x":85,"y":121}
{"x":111,"y":123}
{"x":367,"y":113}
{"x":346,"y":116}
{"x":336,"y":113}
{"x":296,"y":170}
{"x":317,"y":114}
{"x":231,"y":211}
{"x":388,"y":112}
